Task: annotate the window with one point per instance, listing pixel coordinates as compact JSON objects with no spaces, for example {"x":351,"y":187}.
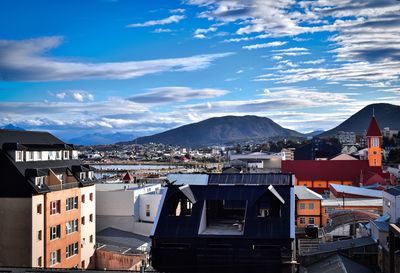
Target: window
{"x":39,"y":235}
{"x":83,"y":198}
{"x":90,"y":175}
{"x":311,"y":220}
{"x":39,"y":261}
{"x":83,"y":220}
{"x":39,"y":209}
{"x":74,"y":154}
{"x":60,"y":177}
{"x":55,"y":207}
{"x":302,"y":206}
{"x":91,"y":239}
{"x":91,"y":196}
{"x":302,"y":220}
{"x":71,"y":250}
{"x":58,"y":155}
{"x":29,"y":156}
{"x":40,"y":181}
{"x":83,"y":264}
{"x":91,"y":217}
{"x":55,"y":257}
{"x":66,"y":154}
{"x":72,"y":203}
{"x":311,"y":206}
{"x":71,"y":226}
{"x":19,"y":156}
{"x":55,"y":232}
{"x":147,"y":210}
{"x":82,"y":175}
{"x":375,"y":142}
{"x":329,"y":210}
{"x":39,"y":155}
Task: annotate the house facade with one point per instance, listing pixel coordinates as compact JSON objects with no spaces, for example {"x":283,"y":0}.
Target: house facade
{"x":231,"y":223}
{"x":46,"y":204}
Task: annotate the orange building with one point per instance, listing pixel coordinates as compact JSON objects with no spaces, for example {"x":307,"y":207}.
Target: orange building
{"x":308,"y":207}
{"x":319,"y":174}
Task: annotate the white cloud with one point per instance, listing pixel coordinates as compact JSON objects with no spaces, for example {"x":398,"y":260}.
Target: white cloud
{"x":77,"y":96}
{"x":169,"y":20}
{"x":200,"y":33}
{"x":163,"y":30}
{"x":179,"y":10}
{"x":319,"y":61}
{"x":258,"y":46}
{"x":27,"y":60}
{"x":61,"y":95}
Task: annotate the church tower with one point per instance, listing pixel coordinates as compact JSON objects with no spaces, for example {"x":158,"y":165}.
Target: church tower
{"x":374,"y":138}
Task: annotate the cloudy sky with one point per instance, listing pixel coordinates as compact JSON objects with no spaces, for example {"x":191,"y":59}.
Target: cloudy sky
{"x":140,"y":67}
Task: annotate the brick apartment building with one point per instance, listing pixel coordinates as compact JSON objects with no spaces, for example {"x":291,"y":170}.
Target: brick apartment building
{"x":47,"y":203}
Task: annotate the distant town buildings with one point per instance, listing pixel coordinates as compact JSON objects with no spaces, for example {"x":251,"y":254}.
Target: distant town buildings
{"x":346,"y":138}
{"x":47,"y":203}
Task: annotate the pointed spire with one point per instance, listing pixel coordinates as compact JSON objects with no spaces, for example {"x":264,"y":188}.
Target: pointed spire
{"x":373,"y":129}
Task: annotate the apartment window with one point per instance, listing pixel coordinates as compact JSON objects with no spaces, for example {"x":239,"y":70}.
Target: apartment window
{"x":55,"y":232}
{"x":19,"y":156}
{"x":55,"y":207}
{"x":71,"y":226}
{"x":91,"y":196}
{"x":91,"y":217}
{"x":147,"y":210}
{"x":71,"y":250}
{"x":83,"y":220}
{"x":302,"y":206}
{"x":72,"y":203}
{"x":39,"y":209}
{"x":40,"y":181}
{"x":91,"y":239}
{"x":83,"y":198}
{"x":302,"y":220}
{"x":311,"y":206}
{"x":55,"y":257}
{"x":311,"y":220}
{"x":58,"y":155}
{"x":66,"y":154}
{"x":39,"y":235}
{"x":39,"y":261}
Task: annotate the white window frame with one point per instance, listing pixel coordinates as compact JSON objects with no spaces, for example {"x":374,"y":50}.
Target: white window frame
{"x":58,"y":155}
{"x":65,"y":154}
{"x":53,"y":232}
{"x":55,"y":207}
{"x":39,"y":155}
{"x":311,"y":222}
{"x":55,"y":257}
{"x":302,"y":220}
{"x":19,"y":156}
{"x":71,"y":226}
{"x":71,"y":203}
{"x":40,"y":181}
{"x":82,"y":175}
{"x":29,"y":156}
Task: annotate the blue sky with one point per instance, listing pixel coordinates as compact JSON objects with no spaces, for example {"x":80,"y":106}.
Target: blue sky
{"x":141,"y":67}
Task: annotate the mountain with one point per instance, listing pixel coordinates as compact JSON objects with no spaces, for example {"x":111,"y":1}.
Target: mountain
{"x":12,"y":127}
{"x":314,"y":133}
{"x":220,"y":130}
{"x":98,"y":138}
{"x":387,"y":115}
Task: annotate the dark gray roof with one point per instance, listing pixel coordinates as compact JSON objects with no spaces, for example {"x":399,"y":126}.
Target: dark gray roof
{"x":121,"y":238}
{"x":337,"y":264}
{"x":28,"y":137}
{"x":394,"y":191}
{"x":250,"y":179}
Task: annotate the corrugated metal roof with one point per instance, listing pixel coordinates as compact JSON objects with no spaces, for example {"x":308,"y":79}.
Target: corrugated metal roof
{"x":250,"y":179}
{"x":359,"y":202}
{"x":337,"y":264}
{"x":356,"y":190}
{"x":394,"y":191}
{"x":189,"y":179}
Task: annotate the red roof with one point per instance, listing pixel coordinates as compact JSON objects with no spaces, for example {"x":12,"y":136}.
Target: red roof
{"x":373,"y":129}
{"x":128,"y":177}
{"x":329,"y":170}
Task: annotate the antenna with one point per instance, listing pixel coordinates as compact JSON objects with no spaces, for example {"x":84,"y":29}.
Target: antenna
{"x":373,"y":111}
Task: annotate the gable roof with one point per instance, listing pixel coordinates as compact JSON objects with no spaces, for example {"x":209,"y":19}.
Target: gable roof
{"x":304,"y":193}
{"x":373,"y":129}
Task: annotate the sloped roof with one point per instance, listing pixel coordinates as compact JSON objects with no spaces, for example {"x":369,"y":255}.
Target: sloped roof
{"x":328,"y":169}
{"x":373,"y":129}
{"x":189,"y":179}
{"x":337,"y":264}
{"x":394,"y":191}
{"x":128,"y":177}
{"x":356,"y":191}
{"x":304,"y":193}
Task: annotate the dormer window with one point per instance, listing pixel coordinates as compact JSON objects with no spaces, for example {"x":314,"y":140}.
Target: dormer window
{"x":74,"y":154}
{"x":29,"y":156}
{"x":82,"y":175}
{"x":58,"y":155}
{"x":90,"y":175}
{"x":39,"y":155}
{"x":66,"y":155}
{"x":19,"y":156}
{"x":40,"y":181}
{"x":60,"y":177}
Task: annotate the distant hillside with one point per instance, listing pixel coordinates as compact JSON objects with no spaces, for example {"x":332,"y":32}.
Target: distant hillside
{"x":12,"y":127}
{"x":221,"y":130}
{"x":387,"y":115}
{"x":98,"y":138}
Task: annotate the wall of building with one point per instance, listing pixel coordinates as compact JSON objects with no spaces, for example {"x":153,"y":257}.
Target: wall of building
{"x":88,"y":207}
{"x":391,"y":205}
{"x":61,"y":219}
{"x":15,"y":215}
{"x":117,"y":261}
{"x":151,"y":200}
{"x":126,"y":223}
{"x":308,"y":212}
{"x":38,"y":226}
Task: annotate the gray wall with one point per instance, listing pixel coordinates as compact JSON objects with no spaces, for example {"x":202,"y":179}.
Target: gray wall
{"x":15,"y":231}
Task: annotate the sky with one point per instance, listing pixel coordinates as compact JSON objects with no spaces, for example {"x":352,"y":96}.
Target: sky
{"x":141,"y":67}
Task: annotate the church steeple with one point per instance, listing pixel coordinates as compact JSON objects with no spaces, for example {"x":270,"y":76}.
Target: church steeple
{"x":374,"y":137}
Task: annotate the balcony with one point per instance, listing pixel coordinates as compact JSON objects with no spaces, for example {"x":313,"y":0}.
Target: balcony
{"x":63,"y":186}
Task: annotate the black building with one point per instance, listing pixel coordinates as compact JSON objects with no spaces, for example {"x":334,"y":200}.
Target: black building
{"x":232,"y":223}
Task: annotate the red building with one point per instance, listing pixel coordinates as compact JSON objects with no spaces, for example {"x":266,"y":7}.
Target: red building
{"x":319,"y":174}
